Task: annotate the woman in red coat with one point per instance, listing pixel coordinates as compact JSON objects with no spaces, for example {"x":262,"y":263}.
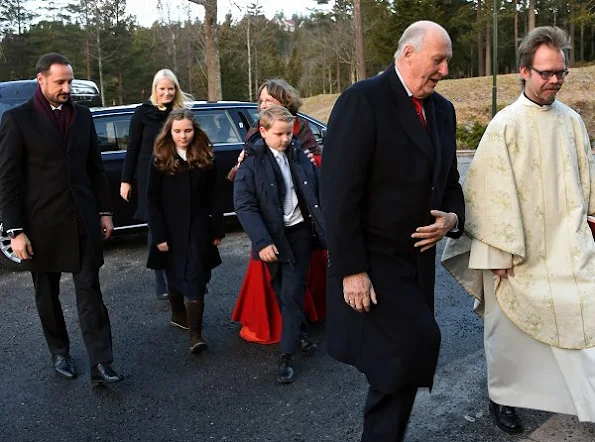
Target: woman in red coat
{"x":256,"y":308}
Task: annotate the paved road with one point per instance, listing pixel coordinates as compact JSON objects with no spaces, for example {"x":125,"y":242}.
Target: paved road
{"x":228,"y":393}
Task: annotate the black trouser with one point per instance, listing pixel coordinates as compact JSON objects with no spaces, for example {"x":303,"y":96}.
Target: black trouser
{"x":93,"y":317}
{"x":386,"y":415}
{"x":160,"y":275}
{"x":289,"y":284}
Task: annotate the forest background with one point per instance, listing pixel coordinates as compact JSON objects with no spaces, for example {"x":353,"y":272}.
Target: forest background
{"x":316,"y":53}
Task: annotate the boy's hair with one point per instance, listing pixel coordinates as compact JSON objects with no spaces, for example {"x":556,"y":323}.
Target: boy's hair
{"x":273,"y":114}
{"x":199,"y":153}
{"x":287,"y":95}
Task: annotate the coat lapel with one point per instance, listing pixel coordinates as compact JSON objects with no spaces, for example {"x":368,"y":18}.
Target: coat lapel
{"x":47,"y":127}
{"x":407,"y":116}
{"x":433,"y":117}
{"x":273,"y":173}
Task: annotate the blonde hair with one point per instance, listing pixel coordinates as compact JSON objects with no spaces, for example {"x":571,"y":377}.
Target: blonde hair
{"x":287,"y":95}
{"x":179,"y":99}
{"x":199,"y":153}
{"x":275,"y":113}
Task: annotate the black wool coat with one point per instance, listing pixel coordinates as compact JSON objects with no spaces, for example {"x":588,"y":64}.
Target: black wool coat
{"x":259,"y":191}
{"x":145,"y":125}
{"x":47,"y":183}
{"x":184,"y":206}
{"x":381,"y":175}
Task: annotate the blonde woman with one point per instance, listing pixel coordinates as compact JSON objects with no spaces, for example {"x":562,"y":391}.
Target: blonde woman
{"x":145,"y":124}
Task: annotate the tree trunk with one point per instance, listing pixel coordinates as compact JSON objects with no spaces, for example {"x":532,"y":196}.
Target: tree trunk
{"x":359,"y":40}
{"x":249,"y":51}
{"x":100,"y":65}
{"x":480,"y":47}
{"x":211,"y":49}
{"x":516,"y":24}
{"x":572,"y":49}
{"x":531,"y":15}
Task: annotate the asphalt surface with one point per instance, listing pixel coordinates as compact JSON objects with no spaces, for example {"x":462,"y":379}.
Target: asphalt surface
{"x":228,"y":393}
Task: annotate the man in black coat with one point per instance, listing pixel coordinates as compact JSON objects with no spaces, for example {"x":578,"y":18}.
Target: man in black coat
{"x":276,"y":199}
{"x":390,"y":192}
{"x":55,"y":207}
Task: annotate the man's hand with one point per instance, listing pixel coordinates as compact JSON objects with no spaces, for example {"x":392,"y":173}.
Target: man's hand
{"x":21,"y":246}
{"x":503,"y":273}
{"x":107,"y":226}
{"x":433,"y":233}
{"x":163,"y":247}
{"x":269,"y":253}
{"x":358,"y":292}
{"x":310,"y":156}
{"x":125,"y":189}
{"x":216,"y":241}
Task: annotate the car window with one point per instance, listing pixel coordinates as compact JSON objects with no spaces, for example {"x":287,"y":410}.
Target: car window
{"x":112,"y":132}
{"x":218,"y":126}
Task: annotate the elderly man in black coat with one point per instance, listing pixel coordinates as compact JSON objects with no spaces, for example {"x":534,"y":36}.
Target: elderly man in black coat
{"x":390,"y":192}
{"x":55,"y":206}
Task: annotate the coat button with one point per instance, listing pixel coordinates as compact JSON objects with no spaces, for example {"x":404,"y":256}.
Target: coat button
{"x":305,"y":182}
{"x":316,"y":206}
{"x":272,"y":184}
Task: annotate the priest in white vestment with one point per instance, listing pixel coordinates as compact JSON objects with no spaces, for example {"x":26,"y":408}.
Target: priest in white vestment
{"x":528,"y":256}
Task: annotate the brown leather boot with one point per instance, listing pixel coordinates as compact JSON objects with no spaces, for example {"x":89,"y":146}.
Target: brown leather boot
{"x":178,"y":311}
{"x":194,"y":312}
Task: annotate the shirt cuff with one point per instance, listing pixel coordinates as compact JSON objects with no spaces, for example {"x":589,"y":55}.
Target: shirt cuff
{"x":106,"y":214}
{"x":455,"y":229}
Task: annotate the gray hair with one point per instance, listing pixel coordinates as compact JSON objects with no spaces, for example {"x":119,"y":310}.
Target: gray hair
{"x":414,"y":36}
{"x":553,"y":37}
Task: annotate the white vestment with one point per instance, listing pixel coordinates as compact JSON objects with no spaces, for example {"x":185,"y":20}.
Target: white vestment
{"x":527,"y":194}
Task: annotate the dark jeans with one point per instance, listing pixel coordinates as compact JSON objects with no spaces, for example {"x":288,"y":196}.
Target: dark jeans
{"x":160,"y":275}
{"x":386,"y":415}
{"x":289,"y":284}
{"x":93,"y":316}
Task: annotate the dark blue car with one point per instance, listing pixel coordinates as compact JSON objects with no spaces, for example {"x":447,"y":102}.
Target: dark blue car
{"x":226,"y":124}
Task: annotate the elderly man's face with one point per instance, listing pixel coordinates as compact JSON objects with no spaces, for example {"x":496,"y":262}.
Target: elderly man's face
{"x":547,"y":60}
{"x":428,"y":65}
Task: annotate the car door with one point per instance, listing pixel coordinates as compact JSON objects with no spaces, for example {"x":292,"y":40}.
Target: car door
{"x":112,"y":132}
{"x":227,"y":139}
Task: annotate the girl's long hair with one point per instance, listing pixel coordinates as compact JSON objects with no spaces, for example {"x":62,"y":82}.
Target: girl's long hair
{"x":199,"y":153}
{"x":181,"y":97}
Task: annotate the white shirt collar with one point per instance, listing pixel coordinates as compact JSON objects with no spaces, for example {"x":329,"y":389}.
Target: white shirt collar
{"x":54,"y":107}
{"x":275,"y":152}
{"x":409,"y":94}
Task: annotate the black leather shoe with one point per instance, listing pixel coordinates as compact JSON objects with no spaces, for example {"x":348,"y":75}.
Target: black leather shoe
{"x":506,"y":418}
{"x":64,"y":366}
{"x":104,"y":374}
{"x":162,"y":297}
{"x":307,"y":346}
{"x":286,"y":373}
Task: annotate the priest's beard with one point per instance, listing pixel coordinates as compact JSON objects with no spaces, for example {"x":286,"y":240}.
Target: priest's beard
{"x":539,"y":97}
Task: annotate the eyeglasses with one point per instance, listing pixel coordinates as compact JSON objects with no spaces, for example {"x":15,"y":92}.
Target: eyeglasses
{"x":546,"y":75}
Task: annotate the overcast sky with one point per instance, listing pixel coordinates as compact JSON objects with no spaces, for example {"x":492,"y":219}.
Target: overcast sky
{"x":146,"y":11}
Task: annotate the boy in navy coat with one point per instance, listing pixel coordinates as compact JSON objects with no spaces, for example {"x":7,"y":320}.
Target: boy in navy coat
{"x":276,"y":200}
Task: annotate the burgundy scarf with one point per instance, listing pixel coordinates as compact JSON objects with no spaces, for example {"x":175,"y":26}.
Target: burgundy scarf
{"x":42,"y":105}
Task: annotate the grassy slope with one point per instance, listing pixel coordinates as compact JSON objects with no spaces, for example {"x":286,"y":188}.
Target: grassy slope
{"x":472,"y":97}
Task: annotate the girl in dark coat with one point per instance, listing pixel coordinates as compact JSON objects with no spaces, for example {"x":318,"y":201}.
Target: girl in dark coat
{"x":145,"y":124}
{"x":184,"y":216}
